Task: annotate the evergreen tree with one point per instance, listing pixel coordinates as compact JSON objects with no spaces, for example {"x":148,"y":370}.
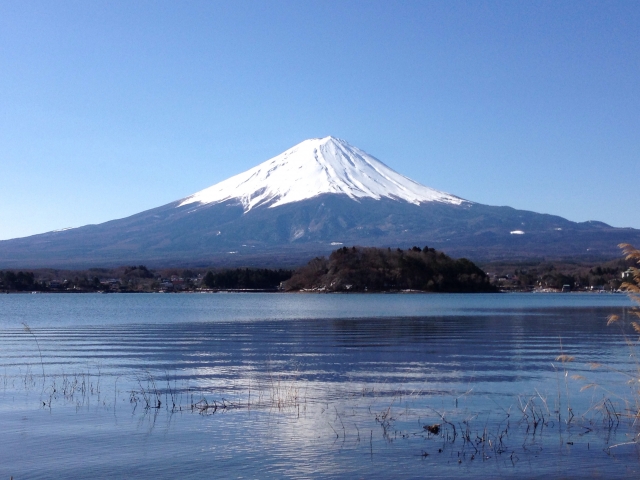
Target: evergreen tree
{"x":209,"y":280}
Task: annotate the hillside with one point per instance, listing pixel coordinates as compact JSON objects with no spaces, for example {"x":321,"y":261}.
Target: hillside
{"x":360,"y":269}
{"x":305,"y":202}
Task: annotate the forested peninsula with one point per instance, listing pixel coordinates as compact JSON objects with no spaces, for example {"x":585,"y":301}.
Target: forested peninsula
{"x":368,"y":269}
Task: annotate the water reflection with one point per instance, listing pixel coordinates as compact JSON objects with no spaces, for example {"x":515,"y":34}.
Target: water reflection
{"x":312,"y":396}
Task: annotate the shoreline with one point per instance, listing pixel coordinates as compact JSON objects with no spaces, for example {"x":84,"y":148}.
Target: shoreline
{"x":315,"y":292}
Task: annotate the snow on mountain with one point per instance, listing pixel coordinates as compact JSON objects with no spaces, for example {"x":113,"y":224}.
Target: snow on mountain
{"x":314,"y":167}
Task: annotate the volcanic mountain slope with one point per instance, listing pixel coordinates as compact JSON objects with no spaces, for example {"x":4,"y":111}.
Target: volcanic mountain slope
{"x":313,"y":168}
{"x":307,"y":201}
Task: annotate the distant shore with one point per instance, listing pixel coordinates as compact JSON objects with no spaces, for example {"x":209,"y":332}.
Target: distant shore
{"x":311,"y":292}
{"x":347,"y":270}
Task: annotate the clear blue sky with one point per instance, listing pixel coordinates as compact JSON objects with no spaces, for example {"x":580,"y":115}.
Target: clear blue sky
{"x":109,"y":108}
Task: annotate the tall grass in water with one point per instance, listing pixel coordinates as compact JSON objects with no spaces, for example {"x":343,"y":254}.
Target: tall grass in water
{"x":27,"y":329}
{"x":630,"y":331}
{"x":632,"y":287}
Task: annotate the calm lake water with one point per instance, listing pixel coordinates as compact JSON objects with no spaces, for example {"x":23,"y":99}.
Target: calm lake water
{"x":322,"y":386}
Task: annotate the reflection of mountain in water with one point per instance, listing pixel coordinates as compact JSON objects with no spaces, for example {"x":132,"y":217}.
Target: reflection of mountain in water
{"x":356,"y":391}
{"x":487,"y":346}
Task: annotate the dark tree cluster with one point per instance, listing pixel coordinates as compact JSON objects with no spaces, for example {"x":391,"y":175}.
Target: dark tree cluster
{"x":138,"y":272}
{"x":374,"y":269}
{"x":246,"y":278}
{"x":20,"y":282}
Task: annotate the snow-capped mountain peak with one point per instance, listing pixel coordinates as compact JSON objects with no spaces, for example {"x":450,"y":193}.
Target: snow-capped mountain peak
{"x":314,"y":167}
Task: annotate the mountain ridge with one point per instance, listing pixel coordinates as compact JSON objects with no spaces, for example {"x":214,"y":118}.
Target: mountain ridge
{"x":223,"y":227}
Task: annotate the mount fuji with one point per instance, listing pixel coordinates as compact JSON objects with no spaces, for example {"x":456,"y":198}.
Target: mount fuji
{"x":307,"y":201}
{"x":316,"y":167}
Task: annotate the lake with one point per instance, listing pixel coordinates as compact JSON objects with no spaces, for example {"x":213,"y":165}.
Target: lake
{"x":323,"y":386}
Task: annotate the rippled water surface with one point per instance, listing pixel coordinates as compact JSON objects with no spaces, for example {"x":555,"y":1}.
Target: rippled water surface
{"x":274,"y":385}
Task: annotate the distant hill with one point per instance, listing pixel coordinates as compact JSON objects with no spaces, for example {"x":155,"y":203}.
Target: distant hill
{"x":359,"y":269}
{"x":305,"y":202}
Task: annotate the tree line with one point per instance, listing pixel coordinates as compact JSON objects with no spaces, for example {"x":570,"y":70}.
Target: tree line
{"x":550,"y":275}
{"x":20,"y":282}
{"x":246,"y":278}
{"x":139,"y":278}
